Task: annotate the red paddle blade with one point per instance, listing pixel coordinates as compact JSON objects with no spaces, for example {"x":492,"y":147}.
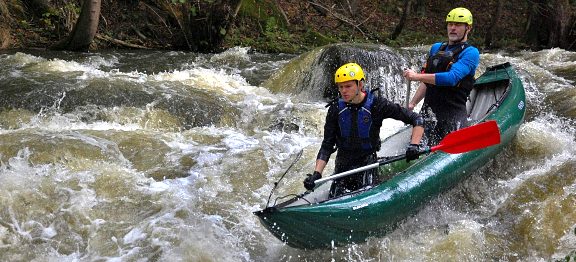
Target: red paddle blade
{"x":470,"y":138}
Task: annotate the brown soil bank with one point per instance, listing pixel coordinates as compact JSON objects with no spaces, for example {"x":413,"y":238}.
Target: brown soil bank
{"x":288,"y":26}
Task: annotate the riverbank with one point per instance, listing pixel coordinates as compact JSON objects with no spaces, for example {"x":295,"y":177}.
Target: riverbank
{"x":280,"y":26}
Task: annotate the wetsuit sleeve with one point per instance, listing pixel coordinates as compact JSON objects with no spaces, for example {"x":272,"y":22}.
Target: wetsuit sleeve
{"x":466,"y":65}
{"x":330,"y":133}
{"x":395,"y":111}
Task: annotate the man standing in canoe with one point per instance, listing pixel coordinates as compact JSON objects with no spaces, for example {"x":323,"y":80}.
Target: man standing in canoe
{"x":447,"y":78}
{"x":353,"y":128}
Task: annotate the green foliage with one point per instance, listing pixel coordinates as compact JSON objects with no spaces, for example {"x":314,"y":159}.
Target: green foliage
{"x":71,"y":6}
{"x":260,"y":11}
{"x":316,"y":39}
{"x":261,"y":26}
{"x":192,"y":2}
{"x":47,"y":22}
{"x":193,"y":11}
{"x":49,"y":19}
{"x":277,"y":38}
{"x":24,"y":24}
{"x":272,"y":29}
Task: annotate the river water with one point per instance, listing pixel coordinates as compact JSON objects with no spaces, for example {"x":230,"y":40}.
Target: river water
{"x":163,"y":156}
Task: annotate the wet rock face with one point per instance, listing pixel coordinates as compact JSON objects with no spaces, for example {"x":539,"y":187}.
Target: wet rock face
{"x":370,"y":57}
{"x":312,"y":74}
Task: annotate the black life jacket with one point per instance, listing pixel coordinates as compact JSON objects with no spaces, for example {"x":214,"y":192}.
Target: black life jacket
{"x":447,"y":100}
{"x":355,"y":124}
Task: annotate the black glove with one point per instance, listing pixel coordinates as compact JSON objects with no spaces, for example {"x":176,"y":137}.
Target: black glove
{"x":412,"y":152}
{"x":309,"y":181}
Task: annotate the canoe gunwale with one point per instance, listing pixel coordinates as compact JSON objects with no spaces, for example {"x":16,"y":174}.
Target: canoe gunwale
{"x":493,"y":107}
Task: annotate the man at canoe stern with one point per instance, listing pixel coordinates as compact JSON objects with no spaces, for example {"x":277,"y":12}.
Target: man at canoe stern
{"x":447,"y":78}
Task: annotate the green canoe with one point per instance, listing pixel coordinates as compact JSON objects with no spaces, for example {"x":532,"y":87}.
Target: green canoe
{"x":311,"y":220}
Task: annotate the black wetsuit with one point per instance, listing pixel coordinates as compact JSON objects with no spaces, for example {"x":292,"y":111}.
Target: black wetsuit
{"x":444,"y":108}
{"x":352,"y":151}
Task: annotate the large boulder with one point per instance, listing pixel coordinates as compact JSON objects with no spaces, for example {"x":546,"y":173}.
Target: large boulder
{"x":312,"y":74}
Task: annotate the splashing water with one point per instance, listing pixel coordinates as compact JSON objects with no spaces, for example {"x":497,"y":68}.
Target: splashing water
{"x":164,"y":156}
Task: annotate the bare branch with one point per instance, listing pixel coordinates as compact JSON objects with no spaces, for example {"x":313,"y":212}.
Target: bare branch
{"x":342,"y":18}
{"x":282,"y":12}
{"x":119,"y":42}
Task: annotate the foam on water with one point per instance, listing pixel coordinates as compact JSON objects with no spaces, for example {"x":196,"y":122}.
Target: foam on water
{"x":108,"y":195}
{"x":552,"y":59}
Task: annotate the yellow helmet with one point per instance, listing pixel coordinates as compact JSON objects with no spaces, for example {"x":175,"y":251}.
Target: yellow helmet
{"x":347,"y":72}
{"x":460,"y":15}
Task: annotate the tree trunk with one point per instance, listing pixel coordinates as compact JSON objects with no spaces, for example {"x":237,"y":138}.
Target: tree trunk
{"x":400,"y":26}
{"x":572,"y":34}
{"x":559,"y":26}
{"x":534,"y":24}
{"x":85,"y":28}
{"x":492,"y":27}
{"x":550,"y":24}
{"x":5,"y":21}
{"x":222,"y":17}
{"x":279,"y":9}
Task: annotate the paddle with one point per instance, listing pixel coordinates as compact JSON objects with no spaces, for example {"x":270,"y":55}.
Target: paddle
{"x":463,"y":140}
{"x":408,"y":85}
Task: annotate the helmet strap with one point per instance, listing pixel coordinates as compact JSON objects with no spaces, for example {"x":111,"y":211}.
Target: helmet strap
{"x":467,"y":33}
{"x":355,"y":95}
{"x":464,"y":36}
{"x":358,"y":89}
{"x":462,"y":39}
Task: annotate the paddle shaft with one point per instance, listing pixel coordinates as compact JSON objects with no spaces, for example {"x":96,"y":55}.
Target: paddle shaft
{"x":408,"y":93}
{"x":363,"y":168}
{"x":467,"y":139}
